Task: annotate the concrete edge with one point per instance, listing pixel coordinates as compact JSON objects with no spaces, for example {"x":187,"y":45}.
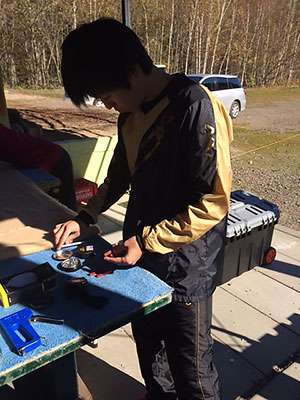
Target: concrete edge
{"x":288,"y":231}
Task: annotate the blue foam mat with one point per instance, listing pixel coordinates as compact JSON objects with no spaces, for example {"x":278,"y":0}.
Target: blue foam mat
{"x":126,"y":291}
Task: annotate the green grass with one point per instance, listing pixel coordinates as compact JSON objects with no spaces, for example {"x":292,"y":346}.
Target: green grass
{"x":276,"y":93}
{"x":258,"y":149}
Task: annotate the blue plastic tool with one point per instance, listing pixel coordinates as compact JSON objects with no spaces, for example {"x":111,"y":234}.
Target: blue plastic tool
{"x":19,"y":331}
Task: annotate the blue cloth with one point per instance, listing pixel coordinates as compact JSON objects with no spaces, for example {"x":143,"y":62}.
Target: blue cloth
{"x":127,"y":289}
{"x":42,"y":178}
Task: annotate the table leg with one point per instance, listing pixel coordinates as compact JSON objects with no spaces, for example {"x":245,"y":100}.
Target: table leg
{"x":54,"y":381}
{"x":64,"y":377}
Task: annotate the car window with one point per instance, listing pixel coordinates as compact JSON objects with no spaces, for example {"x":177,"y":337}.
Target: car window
{"x":195,"y":78}
{"x":210,"y":83}
{"x":235,"y":83}
{"x":222,"y":83}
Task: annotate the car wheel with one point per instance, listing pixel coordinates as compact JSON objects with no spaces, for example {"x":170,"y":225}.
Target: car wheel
{"x":98,"y":103}
{"x":234,"y":109}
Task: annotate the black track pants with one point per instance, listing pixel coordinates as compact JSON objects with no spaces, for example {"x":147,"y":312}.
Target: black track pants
{"x":174,"y":347}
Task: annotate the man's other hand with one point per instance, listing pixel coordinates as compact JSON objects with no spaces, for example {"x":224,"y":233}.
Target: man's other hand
{"x":132,"y":253}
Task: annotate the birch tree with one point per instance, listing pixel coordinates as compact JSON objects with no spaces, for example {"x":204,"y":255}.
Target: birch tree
{"x":193,"y":18}
{"x":171,"y":33}
{"x":223,"y":6}
{"x":208,"y":36}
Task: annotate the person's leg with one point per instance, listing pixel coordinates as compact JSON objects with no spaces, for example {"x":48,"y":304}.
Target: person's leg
{"x":63,"y":170}
{"x":152,"y":356}
{"x":189,"y":349}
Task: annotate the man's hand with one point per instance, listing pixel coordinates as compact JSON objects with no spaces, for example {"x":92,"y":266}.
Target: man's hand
{"x":66,"y":232}
{"x":131,"y":255}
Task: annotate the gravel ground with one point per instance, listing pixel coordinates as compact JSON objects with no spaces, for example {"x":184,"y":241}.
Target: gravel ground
{"x":279,"y":186}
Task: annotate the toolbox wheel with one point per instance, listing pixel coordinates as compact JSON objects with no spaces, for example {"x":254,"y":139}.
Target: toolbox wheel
{"x":269,"y":256}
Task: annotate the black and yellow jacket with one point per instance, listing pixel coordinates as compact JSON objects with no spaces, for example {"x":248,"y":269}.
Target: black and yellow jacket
{"x":174,"y":154}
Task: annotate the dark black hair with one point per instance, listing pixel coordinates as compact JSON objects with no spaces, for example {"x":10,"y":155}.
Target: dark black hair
{"x":100,"y":56}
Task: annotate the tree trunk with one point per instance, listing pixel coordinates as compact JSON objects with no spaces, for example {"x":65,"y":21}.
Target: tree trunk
{"x":190,"y":35}
{"x":245,"y":56}
{"x":161,"y":43}
{"x":171,"y":35}
{"x":74,"y":11}
{"x":232,"y":31}
{"x":199,"y":42}
{"x":207,"y":37}
{"x":224,"y":8}
{"x":286,"y":39}
{"x":293,"y":58}
{"x":146,"y":27}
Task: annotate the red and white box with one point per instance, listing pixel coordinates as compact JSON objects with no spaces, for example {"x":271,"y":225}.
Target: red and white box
{"x":84,"y":190}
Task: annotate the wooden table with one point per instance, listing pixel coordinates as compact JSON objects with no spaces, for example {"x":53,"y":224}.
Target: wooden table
{"x":130,"y":293}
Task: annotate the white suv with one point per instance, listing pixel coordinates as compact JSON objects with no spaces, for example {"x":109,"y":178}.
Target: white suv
{"x":226,"y":88}
{"x":89,"y":101}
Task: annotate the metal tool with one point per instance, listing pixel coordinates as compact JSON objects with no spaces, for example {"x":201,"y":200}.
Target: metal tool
{"x":72,"y":244}
{"x":18,"y":322}
{"x":19,"y":331}
{"x":49,"y":320}
{"x":62,"y":255}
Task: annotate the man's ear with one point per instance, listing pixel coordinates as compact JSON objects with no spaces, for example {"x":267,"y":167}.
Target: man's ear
{"x":136,"y":71}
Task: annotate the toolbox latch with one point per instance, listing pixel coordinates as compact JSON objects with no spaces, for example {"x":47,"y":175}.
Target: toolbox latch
{"x":241,"y":229}
{"x":268,"y":218}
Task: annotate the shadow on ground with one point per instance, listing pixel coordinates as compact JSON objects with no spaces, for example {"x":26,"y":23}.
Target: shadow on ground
{"x":106,"y":382}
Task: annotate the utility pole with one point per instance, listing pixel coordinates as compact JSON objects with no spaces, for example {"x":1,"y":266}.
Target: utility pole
{"x":126,"y":12}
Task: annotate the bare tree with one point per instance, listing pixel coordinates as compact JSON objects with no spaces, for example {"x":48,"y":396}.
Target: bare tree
{"x":208,"y":36}
{"x":199,"y":40}
{"x":294,"y":55}
{"x":232,"y":32}
{"x":171,"y":32}
{"x":223,"y":6}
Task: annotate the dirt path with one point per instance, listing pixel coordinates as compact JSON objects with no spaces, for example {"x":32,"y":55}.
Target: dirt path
{"x":62,"y":124}
{"x":60,"y":119}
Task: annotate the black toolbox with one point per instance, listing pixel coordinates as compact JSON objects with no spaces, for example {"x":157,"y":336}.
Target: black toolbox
{"x":250,"y":226}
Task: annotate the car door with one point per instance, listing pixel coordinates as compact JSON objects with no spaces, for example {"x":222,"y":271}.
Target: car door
{"x":219,"y":87}
{"x":223,"y":92}
{"x":210,"y":83}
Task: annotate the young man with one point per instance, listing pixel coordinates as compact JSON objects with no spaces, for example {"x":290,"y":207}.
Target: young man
{"x":173,"y":151}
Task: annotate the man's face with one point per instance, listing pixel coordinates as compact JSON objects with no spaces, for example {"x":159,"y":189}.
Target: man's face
{"x":122,"y":100}
{"x":127,"y":100}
